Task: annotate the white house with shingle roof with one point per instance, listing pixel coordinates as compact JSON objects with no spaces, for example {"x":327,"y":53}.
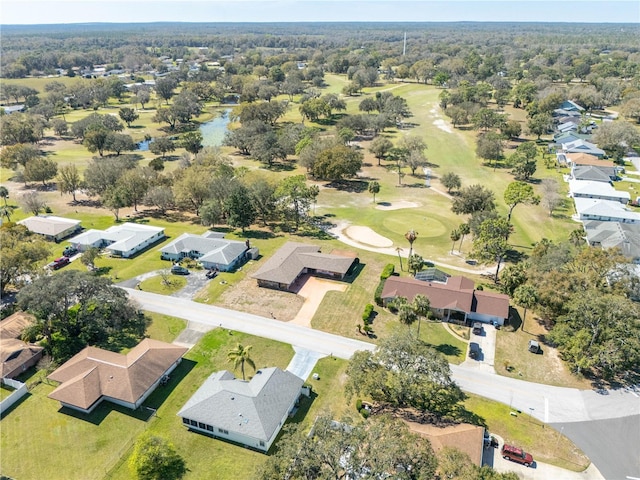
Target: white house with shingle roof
{"x":209,"y":249}
{"x":124,"y":240}
{"x":50,"y":227}
{"x":250,"y":413}
{"x":295,"y":259}
{"x":624,"y":236}
{"x":604,"y":210}
{"x":601,"y":190}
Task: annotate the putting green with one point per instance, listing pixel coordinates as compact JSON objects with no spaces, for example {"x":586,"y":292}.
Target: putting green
{"x":426,"y":224}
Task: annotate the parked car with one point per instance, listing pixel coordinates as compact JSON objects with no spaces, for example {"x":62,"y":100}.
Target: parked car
{"x":60,"y":262}
{"x":179,"y":270}
{"x":70,"y":251}
{"x":477,"y":328}
{"x":517,"y":455}
{"x":534,"y":346}
{"x":211,"y":274}
{"x":474,"y":350}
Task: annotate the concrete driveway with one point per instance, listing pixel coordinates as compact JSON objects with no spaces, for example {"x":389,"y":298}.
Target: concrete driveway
{"x":487,"y":342}
{"x":303,"y":362}
{"x":313,"y":291}
{"x":539,"y":470}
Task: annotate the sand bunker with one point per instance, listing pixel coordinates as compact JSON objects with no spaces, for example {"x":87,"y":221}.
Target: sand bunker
{"x":396,"y":205}
{"x":442,"y":125}
{"x":367,"y":236}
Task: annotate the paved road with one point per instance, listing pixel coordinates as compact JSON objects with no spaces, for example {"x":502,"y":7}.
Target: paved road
{"x":321,"y":342}
{"x":554,"y":405}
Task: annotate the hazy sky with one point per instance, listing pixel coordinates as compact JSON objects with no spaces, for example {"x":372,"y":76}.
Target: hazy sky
{"x":123,"y":11}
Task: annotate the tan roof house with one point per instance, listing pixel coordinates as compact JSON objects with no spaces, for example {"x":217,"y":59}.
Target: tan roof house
{"x":457,"y":298}
{"x":50,"y":227}
{"x":16,"y":356}
{"x":295,"y":259}
{"x":95,"y":374}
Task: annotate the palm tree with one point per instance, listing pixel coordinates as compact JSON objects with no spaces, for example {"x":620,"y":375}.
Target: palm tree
{"x":415,"y":263}
{"x":374,"y":188}
{"x":577,"y":237}
{"x":454,"y":236}
{"x":422,"y":306}
{"x":526,"y":296}
{"x":4,"y":194}
{"x":239,"y":356}
{"x":411,"y":236}
{"x":464,"y":229}
{"x":5,"y":211}
{"x":399,"y":249}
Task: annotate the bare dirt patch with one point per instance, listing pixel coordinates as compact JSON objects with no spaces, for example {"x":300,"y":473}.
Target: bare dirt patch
{"x":367,"y":236}
{"x":443,"y":125}
{"x":248,"y":297}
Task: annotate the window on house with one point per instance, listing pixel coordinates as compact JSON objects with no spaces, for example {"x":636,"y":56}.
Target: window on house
{"x":261,"y":443}
{"x":193,"y":422}
{"x":209,"y":428}
{"x":202,"y":425}
{"x":222,"y":430}
{"x":185,"y":421}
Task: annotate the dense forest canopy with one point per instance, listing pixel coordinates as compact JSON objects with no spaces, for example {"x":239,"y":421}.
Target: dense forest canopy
{"x":42,"y":47}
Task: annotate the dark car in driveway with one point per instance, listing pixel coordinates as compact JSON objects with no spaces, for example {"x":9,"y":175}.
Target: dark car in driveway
{"x":474,"y":350}
{"x":60,"y":262}
{"x":179,"y":270}
{"x":70,"y":251}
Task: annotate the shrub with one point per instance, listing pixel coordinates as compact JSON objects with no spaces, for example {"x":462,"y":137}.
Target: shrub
{"x":377,"y":296}
{"x":387,"y":271}
{"x":364,"y":412}
{"x":368,"y":310}
{"x":358,"y":404}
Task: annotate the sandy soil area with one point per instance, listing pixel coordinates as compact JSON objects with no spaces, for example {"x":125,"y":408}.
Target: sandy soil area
{"x":367,"y":236}
{"x":313,"y":292}
{"x":397,"y":205}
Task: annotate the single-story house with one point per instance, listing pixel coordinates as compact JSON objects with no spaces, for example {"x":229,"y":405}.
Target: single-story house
{"x":94,"y":375}
{"x":584,"y":159}
{"x":465,"y":437}
{"x":9,"y":109}
{"x":250,"y":413}
{"x":16,"y":356}
{"x":593,"y":173}
{"x":604,"y":210}
{"x":602,"y":190}
{"x":571,"y":106}
{"x":124,"y":240}
{"x":624,"y":236}
{"x":567,"y":127}
{"x":210,"y":249}
{"x":295,"y":259}
{"x":457,"y":298}
{"x":51,"y":227}
{"x":568,"y":137}
{"x":583,"y":146}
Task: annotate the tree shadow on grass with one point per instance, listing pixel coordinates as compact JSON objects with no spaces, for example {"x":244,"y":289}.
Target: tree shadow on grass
{"x":353,"y":186}
{"x":447,"y":349}
{"x":259,"y":234}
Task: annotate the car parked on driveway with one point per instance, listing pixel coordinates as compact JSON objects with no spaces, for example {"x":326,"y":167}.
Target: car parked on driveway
{"x":70,"y":251}
{"x":60,"y":262}
{"x":474,"y":350}
{"x":179,"y":270}
{"x":517,"y":455}
{"x":477,"y":328}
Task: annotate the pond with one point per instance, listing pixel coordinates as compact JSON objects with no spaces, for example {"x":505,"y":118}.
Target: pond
{"x":213,"y":131}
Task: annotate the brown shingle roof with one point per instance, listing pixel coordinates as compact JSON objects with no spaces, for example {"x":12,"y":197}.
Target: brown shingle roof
{"x":586,"y":159}
{"x":13,"y":325}
{"x":457,"y":294}
{"x":292,"y":258}
{"x":94,"y":373}
{"x":490,"y":303}
{"x":14,"y":353}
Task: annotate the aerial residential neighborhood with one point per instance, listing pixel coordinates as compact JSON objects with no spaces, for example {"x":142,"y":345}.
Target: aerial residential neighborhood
{"x":357,"y":240}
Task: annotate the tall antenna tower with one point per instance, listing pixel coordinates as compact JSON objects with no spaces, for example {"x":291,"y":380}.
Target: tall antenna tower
{"x":404,"y":45}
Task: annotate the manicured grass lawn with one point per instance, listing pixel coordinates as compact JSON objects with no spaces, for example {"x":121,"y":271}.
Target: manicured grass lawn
{"x":5,"y":391}
{"x":164,"y":327}
{"x":204,"y":454}
{"x":436,"y":335}
{"x":157,"y":285}
{"x":547,"y":368}
{"x":542,"y":441}
{"x":75,"y":446}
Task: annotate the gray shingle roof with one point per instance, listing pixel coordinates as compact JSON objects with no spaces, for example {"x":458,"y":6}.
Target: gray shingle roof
{"x":212,"y":248}
{"x":288,"y":262}
{"x":49,"y":225}
{"x":253,"y":408}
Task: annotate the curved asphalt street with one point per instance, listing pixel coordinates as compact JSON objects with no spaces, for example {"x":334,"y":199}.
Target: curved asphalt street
{"x":581,"y":414}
